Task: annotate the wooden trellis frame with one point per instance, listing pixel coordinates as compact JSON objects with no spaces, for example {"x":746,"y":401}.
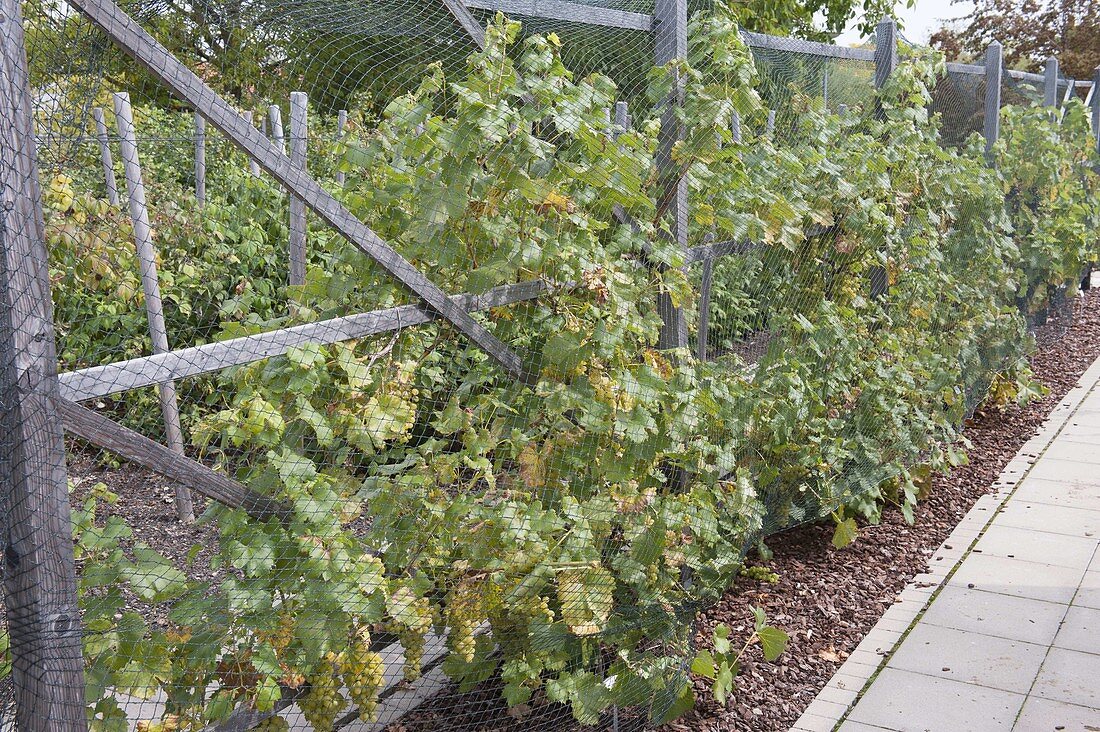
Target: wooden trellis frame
{"x":37,"y":404}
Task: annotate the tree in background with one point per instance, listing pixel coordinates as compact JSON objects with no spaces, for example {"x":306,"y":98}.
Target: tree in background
{"x":1030,"y":31}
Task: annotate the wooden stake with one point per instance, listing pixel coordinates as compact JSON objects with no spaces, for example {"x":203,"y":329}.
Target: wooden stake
{"x":275,"y":127}
{"x":670,"y":43}
{"x":993,"y":63}
{"x":341,"y":125}
{"x":105,"y":155}
{"x":253,"y":166}
{"x":200,"y":159}
{"x":154,"y":307}
{"x":39,"y":575}
{"x":299,"y":133}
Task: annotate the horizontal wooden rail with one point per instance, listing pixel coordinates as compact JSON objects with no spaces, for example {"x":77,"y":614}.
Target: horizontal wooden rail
{"x":100,"y":381}
{"x":568,"y":11}
{"x":812,"y":48}
{"x":110,"y":435}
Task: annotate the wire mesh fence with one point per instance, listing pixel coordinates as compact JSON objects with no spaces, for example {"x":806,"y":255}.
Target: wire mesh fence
{"x":432,"y":364}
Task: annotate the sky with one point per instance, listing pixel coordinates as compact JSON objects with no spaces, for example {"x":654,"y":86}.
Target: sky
{"x":918,"y":22}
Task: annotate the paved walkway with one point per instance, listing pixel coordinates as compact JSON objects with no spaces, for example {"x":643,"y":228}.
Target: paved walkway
{"x":1012,"y":639}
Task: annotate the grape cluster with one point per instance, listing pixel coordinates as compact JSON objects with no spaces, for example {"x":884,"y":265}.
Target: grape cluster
{"x":324,"y":701}
{"x":413,"y":636}
{"x":364,"y":673}
{"x":463,"y":613}
{"x":284,"y":632}
{"x":274,"y":723}
{"x":760,"y":574}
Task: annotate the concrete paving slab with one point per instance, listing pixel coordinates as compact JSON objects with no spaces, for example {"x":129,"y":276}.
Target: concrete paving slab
{"x":859,"y":727}
{"x":910,"y":702}
{"x":1059,"y":493}
{"x":1051,"y":469}
{"x":1052,"y":519}
{"x":1038,"y":546}
{"x":1043,"y":715}
{"x":1080,"y":631}
{"x":969,"y":657}
{"x":1088,"y":594}
{"x":989,"y":613}
{"x":1017,"y":578}
{"x":1070,"y":676}
{"x":1081,"y":452}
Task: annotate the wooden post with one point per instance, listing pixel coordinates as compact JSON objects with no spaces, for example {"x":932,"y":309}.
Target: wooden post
{"x":670,"y":26}
{"x":1050,"y":83}
{"x":771,"y":121}
{"x":1095,"y":106}
{"x":299,"y":133}
{"x":253,"y":166}
{"x":622,"y":117}
{"x":993,"y":64}
{"x":707,"y":281}
{"x":105,"y":155}
{"x":886,"y":60}
{"x":842,"y":110}
{"x":200,"y":159}
{"x":341,"y":124}
{"x":275,"y":127}
{"x":39,"y":573}
{"x":154,"y":308}
{"x":886,"y":51}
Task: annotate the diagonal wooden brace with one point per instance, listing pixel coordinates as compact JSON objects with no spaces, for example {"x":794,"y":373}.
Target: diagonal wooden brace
{"x":124,"y":442}
{"x":143,"y":48}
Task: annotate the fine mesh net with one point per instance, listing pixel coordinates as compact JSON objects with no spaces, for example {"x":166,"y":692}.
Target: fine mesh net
{"x":424,"y":367}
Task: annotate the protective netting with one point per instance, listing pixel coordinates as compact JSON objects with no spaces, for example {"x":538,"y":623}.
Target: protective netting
{"x":431,"y":367}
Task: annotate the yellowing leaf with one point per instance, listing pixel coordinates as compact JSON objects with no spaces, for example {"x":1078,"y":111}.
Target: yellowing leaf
{"x":586,"y":598}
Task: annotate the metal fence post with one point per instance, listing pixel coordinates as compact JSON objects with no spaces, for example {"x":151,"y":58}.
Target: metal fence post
{"x":1050,"y":83}
{"x":299,"y":133}
{"x":992,"y":129}
{"x":105,"y":155}
{"x":39,"y":576}
{"x":200,"y":159}
{"x":670,"y":20}
{"x":150,"y":283}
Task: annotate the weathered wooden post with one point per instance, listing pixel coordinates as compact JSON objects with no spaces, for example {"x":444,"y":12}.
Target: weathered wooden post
{"x":622,"y":116}
{"x":341,"y":125}
{"x":105,"y":155}
{"x":275,"y":126}
{"x":1050,"y":83}
{"x":707,"y":281}
{"x":154,"y":307}
{"x":1094,"y":104}
{"x":886,"y":60}
{"x":886,"y":51}
{"x":299,"y":133}
{"x":992,"y":129}
{"x":253,"y":166}
{"x":200,"y":159}
{"x":670,"y":27}
{"x":770,"y":128}
{"x":39,"y":576}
